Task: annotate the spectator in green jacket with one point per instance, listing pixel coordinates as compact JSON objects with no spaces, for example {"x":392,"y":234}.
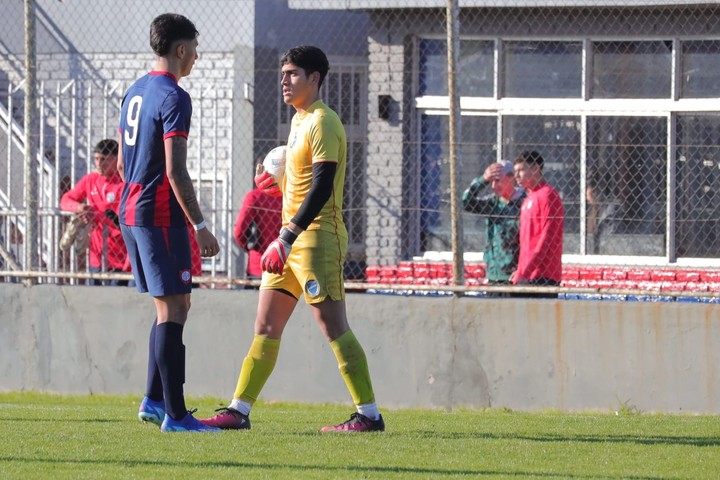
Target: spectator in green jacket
{"x":496,"y":196}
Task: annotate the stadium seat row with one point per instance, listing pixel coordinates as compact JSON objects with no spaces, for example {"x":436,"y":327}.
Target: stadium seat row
{"x":642,"y":278}
{"x":423,"y":273}
{"x":576,"y":276}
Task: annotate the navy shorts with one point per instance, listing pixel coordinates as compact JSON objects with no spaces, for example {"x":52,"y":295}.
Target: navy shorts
{"x":160,"y":259}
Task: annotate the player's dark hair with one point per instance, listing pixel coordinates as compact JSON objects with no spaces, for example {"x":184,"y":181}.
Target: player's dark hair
{"x":169,"y":28}
{"x":107,"y":146}
{"x":531,"y":158}
{"x":309,"y":58}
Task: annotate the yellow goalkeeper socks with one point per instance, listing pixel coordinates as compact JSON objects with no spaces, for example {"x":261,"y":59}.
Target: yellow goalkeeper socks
{"x":256,"y":368}
{"x":353,"y":367}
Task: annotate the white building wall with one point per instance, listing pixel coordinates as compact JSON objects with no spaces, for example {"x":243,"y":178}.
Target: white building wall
{"x":109,"y":75}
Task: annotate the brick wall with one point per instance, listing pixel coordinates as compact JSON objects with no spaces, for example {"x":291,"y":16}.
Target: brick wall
{"x":385,"y":153}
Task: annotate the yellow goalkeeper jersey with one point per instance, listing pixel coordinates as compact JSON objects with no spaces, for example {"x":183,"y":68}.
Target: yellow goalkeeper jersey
{"x":316,"y":135}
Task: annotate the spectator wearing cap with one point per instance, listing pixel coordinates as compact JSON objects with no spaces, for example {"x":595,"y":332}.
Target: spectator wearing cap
{"x":495,"y":196}
{"x":541,"y":226}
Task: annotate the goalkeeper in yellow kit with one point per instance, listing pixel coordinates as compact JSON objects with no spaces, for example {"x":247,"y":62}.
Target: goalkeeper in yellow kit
{"x":307,"y":257}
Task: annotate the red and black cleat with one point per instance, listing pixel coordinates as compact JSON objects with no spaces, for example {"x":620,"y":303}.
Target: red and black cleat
{"x":357,"y":423}
{"x":228,"y":419}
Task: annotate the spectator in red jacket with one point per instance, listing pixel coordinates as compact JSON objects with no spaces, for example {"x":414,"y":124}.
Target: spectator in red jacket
{"x":257,"y":225}
{"x":95,"y":199}
{"x":541,"y":226}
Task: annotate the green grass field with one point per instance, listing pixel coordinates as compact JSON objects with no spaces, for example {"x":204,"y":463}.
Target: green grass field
{"x":53,"y":437}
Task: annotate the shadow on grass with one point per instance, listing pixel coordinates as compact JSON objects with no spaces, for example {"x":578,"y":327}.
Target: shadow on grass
{"x":545,"y":437}
{"x":430,"y":434}
{"x":61,"y":419}
{"x":326,"y":469}
{"x":638,"y":439}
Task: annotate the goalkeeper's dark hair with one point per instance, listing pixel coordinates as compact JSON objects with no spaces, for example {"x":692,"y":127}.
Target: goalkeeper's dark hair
{"x":107,"y":146}
{"x":168,"y":28}
{"x":309,"y":58}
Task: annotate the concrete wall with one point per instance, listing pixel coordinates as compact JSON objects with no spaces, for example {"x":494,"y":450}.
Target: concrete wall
{"x":423,"y":352}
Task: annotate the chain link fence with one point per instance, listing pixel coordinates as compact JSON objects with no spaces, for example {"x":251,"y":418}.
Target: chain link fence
{"x":620,"y":101}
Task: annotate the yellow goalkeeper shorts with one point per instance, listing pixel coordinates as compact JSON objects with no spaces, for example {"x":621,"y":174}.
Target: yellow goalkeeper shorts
{"x":314,"y":267}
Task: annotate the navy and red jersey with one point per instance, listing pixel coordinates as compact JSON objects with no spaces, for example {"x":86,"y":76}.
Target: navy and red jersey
{"x":154,"y":108}
{"x":541,"y":235}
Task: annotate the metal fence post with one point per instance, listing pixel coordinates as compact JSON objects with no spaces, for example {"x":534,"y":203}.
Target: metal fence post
{"x":31,"y":195}
{"x":453,"y":49}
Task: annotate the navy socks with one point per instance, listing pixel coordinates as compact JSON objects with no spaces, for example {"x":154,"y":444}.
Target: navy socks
{"x":153,"y":389}
{"x":170,"y":357}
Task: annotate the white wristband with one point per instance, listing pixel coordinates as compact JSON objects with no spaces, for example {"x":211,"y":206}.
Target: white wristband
{"x":199,"y":226}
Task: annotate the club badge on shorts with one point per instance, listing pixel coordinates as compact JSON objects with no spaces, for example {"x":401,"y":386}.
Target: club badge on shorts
{"x":185,"y":276}
{"x":312,"y":288}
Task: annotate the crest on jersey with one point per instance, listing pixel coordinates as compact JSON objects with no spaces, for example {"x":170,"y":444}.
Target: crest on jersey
{"x":185,"y":276}
{"x":111,"y":197}
{"x":294,"y":139}
{"x":312,"y":288}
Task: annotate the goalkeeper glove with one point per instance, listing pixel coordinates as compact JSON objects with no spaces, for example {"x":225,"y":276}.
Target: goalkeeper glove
{"x":265,"y":182}
{"x":276,"y":254}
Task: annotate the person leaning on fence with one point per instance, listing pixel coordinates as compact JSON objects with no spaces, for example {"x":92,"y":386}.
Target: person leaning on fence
{"x":95,"y":200}
{"x":603,"y":216}
{"x":541,"y":227}
{"x":157,"y":200}
{"x":257,"y":224}
{"x":494,"y":195}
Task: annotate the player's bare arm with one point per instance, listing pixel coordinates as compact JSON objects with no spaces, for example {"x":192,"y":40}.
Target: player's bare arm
{"x":181,"y":184}
{"x":120,"y":160}
{"x":179,"y":178}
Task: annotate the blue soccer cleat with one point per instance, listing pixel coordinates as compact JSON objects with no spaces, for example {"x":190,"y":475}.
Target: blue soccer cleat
{"x":187,"y":424}
{"x":152,"y":411}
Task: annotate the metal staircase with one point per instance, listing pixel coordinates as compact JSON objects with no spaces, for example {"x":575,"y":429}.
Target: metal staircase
{"x":12,"y":191}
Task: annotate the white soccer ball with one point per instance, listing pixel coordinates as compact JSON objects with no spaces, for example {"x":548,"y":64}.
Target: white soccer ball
{"x":274,"y":163}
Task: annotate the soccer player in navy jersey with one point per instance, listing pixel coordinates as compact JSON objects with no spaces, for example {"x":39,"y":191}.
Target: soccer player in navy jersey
{"x":157,"y":198}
